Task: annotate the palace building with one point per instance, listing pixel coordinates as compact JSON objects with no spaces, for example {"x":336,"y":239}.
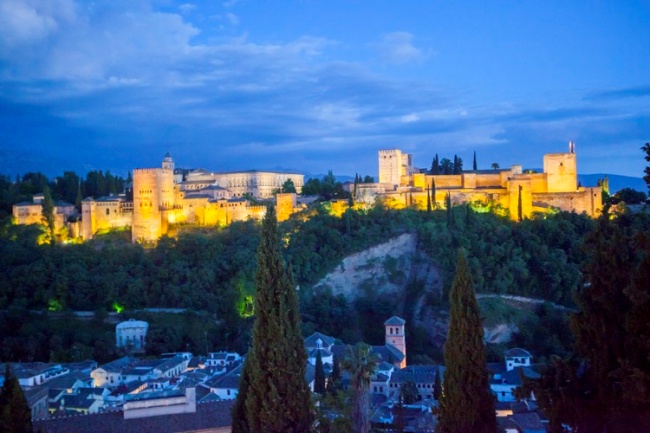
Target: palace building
{"x":162,"y":197}
{"x":555,"y":188}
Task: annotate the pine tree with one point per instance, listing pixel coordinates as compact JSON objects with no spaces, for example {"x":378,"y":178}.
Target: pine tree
{"x":611,"y":330}
{"x":15,"y":415}
{"x":466,"y":404}
{"x":278,"y":398}
{"x":319,"y":379}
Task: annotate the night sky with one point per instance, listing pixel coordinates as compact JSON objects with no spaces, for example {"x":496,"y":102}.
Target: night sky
{"x":317,"y":85}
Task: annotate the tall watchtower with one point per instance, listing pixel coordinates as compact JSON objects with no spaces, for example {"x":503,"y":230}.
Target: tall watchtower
{"x":561,"y":170}
{"x":395,"y":334}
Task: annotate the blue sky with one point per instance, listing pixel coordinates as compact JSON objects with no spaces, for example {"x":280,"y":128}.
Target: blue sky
{"x":317,"y":85}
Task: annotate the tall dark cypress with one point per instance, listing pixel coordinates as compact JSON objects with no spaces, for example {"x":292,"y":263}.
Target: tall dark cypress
{"x":450,"y":211}
{"x":238,"y":412}
{"x":434,"y":205}
{"x":435,"y":167}
{"x":474,"y":166}
{"x":278,"y":398}
{"x":428,"y":199}
{"x":15,"y":415}
{"x":319,"y":379}
{"x":466,"y":404}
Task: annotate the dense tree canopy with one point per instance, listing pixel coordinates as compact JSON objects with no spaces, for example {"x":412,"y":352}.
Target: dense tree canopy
{"x":466,"y":404}
{"x":277,"y":398}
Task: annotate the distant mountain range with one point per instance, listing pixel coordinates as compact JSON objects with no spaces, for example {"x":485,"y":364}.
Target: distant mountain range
{"x":616,"y":182}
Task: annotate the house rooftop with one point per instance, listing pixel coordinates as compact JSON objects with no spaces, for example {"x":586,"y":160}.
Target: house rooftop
{"x":208,"y":417}
{"x":395,"y":321}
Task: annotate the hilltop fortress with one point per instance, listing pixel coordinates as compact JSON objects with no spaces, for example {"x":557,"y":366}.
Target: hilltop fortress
{"x":555,"y":188}
{"x":164,"y":196}
{"x":161,"y":196}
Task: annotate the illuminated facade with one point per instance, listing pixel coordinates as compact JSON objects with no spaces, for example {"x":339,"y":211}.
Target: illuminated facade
{"x":555,"y":188}
{"x":259,"y":184}
{"x":161,"y":198}
{"x":32,"y":212}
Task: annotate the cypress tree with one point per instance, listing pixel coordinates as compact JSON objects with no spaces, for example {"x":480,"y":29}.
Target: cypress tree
{"x":466,"y":404}
{"x":434,"y":205}
{"x":319,"y":380}
{"x":646,"y":171}
{"x":450,"y":211}
{"x":435,"y":166}
{"x":428,"y":199}
{"x":238,"y":411}
{"x":474,"y":166}
{"x":437,"y":386}
{"x":15,"y":415}
{"x":278,"y":398}
{"x":335,"y":378}
{"x":520,"y":208}
{"x":48,"y":212}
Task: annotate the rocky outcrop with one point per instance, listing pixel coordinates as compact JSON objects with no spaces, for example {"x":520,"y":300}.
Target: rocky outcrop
{"x":383,"y":269}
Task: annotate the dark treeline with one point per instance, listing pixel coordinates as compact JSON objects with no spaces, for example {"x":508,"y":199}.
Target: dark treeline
{"x":213,"y":270}
{"x":69,"y":187}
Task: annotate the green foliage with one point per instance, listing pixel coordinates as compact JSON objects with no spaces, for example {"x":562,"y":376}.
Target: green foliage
{"x":319,"y":380}
{"x":277,"y":399}
{"x":288,"y":186}
{"x":466,"y":403}
{"x":48,"y":212}
{"x":605,"y":386}
{"x":238,"y":411}
{"x":408,"y":393}
{"x":327,"y":188}
{"x":15,"y":415}
{"x":361,"y":363}
{"x":629,"y":196}
{"x":646,"y":171}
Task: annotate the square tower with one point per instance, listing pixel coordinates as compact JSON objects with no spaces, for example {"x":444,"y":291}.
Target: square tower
{"x":395,"y":335}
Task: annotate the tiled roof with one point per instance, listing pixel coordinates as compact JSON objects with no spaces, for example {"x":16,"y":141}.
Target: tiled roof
{"x":395,"y":321}
{"x":517,"y":353}
{"x":310,"y":342}
{"x":207,"y":416}
{"x":415,"y":374}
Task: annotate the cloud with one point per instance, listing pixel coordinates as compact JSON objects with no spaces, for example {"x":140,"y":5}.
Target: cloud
{"x":31,"y":21}
{"x":398,"y":48}
{"x":610,"y":95}
{"x":186,"y":8}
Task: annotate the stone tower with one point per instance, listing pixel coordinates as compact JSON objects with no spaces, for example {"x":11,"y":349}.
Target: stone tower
{"x":153,"y":194}
{"x":561,"y":171}
{"x":395,"y":334}
{"x":393,"y":164}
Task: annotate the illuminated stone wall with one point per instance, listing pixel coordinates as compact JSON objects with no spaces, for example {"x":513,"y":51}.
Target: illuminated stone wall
{"x":561,"y":172}
{"x":391,"y":166}
{"x":103,"y":215}
{"x":555,"y":188}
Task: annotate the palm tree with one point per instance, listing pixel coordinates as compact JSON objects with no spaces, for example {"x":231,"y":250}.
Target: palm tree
{"x":361,"y":363}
